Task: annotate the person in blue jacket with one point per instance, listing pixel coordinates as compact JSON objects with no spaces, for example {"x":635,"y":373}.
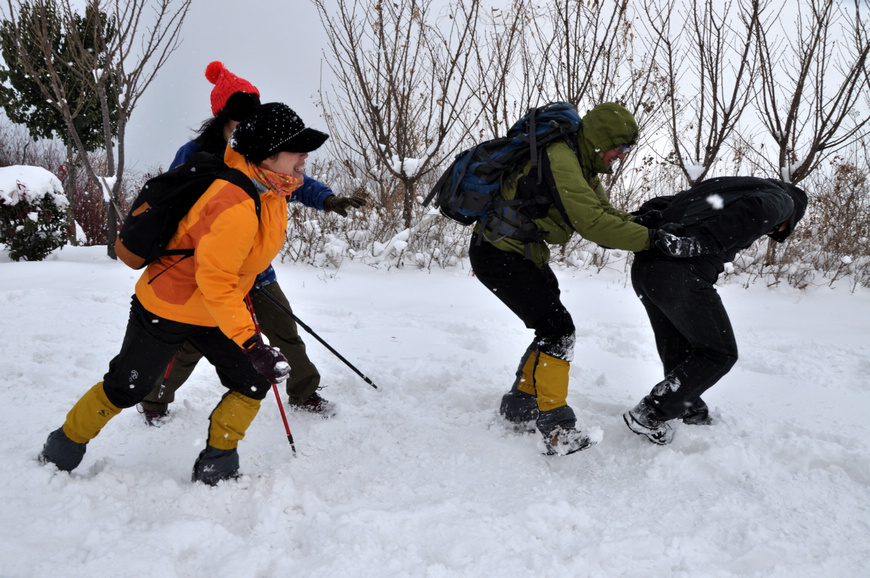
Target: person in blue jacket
{"x":232,"y":100}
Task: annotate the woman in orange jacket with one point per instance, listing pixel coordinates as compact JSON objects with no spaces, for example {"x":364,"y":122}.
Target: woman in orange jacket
{"x":201,"y":299}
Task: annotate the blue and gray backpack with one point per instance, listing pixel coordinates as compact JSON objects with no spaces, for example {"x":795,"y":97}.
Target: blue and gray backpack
{"x":470,"y":189}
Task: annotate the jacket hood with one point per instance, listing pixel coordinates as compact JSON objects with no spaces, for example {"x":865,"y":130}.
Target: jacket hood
{"x":606,"y":127}
{"x":800,"y":200}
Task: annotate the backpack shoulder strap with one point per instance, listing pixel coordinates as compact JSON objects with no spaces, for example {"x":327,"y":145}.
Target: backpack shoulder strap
{"x":216,"y":166}
{"x":551,"y":183}
{"x":533,"y":141}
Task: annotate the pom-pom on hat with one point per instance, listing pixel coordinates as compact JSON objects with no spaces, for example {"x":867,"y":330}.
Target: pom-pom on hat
{"x":225,"y":85}
{"x":272,"y":128}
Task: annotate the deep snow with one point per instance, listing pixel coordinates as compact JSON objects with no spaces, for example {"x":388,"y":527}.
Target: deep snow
{"x":419,"y":477}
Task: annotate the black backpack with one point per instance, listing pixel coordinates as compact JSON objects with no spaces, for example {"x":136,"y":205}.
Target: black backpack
{"x":704,"y":201}
{"x":471,"y":186}
{"x":164,"y":200}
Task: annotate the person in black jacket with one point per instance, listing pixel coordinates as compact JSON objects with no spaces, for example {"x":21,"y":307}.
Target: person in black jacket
{"x":675,"y":283}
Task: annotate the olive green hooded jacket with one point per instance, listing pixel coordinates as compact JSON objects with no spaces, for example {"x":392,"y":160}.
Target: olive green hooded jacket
{"x":586,"y":205}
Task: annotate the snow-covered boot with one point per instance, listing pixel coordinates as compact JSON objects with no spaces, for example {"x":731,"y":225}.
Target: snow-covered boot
{"x":316,"y":405}
{"x":697,"y":414}
{"x":564,"y":441}
{"x":62,"y":451}
{"x":154,"y":417}
{"x":642,"y":420}
{"x":214,"y":465}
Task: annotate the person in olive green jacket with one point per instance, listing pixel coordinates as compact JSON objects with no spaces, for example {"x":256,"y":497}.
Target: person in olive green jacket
{"x":509,"y":254}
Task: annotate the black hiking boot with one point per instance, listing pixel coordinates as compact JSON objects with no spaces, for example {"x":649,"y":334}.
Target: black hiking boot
{"x":214,"y":465}
{"x":155,"y":417}
{"x":316,"y":405}
{"x":697,"y":414}
{"x":62,"y":451}
{"x":642,"y":420}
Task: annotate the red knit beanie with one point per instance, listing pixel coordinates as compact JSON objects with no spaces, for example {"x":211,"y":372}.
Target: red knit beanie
{"x":225,"y":85}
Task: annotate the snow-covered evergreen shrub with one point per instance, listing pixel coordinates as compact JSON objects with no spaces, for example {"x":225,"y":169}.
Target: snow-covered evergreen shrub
{"x":32,"y":213}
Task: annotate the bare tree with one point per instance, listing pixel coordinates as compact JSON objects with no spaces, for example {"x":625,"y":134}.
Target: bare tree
{"x":400,"y":86}
{"x":499,"y":47}
{"x":587,"y":53}
{"x":579,"y":43}
{"x":711,"y":53}
{"x":584,"y":53}
{"x":812,"y":76}
{"x":119,"y":67}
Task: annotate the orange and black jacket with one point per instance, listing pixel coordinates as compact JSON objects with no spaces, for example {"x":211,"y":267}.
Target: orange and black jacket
{"x":232,"y":246}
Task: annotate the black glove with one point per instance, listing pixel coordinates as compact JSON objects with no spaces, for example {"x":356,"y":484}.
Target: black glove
{"x":649,"y":219}
{"x":269,"y":361}
{"x":340,"y":205}
{"x":681,"y":247}
{"x":676,"y":229}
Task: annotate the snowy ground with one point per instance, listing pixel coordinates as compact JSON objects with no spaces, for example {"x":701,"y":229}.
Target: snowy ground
{"x":419,"y":478}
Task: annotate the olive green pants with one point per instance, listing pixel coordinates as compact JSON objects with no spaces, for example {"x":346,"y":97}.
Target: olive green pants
{"x":282,"y":333}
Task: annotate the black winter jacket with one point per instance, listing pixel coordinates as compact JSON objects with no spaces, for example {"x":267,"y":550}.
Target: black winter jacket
{"x":733,"y":211}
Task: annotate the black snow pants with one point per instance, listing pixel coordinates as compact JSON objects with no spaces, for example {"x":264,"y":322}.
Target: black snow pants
{"x":149,"y":345}
{"x":693,"y":334}
{"x":531,"y":293}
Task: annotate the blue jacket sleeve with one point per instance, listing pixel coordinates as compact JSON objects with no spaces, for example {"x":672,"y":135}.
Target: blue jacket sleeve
{"x":312,"y":193}
{"x":184,"y":153}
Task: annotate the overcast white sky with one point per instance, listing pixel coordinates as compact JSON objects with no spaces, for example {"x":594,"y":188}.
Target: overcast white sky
{"x":275,"y":44}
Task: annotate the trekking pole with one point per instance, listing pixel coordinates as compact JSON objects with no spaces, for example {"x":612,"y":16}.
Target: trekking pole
{"x":274,"y":386}
{"x":166,"y":374}
{"x":287,"y":310}
{"x":141,"y":408}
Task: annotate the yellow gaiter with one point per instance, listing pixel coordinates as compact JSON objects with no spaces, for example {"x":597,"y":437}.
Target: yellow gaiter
{"x":551,"y":381}
{"x":230,"y":420}
{"x":88,"y":416}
